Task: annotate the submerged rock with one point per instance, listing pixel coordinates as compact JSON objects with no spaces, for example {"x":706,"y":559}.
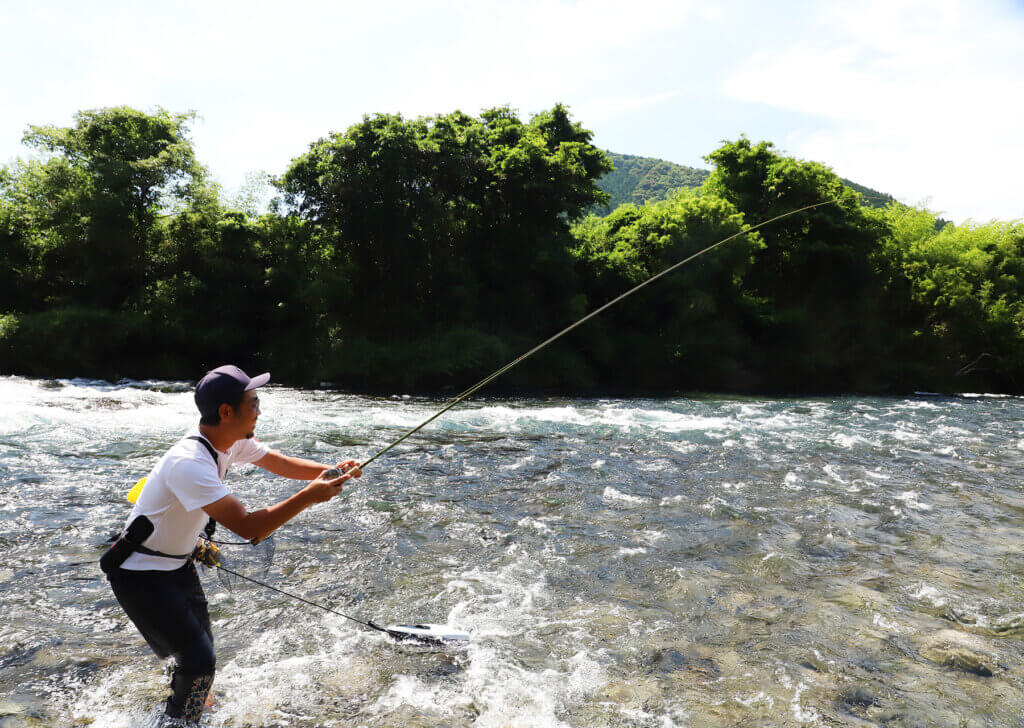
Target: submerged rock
{"x":636,"y":693}
{"x":667,"y":661}
{"x":898,"y":719}
{"x":857,"y":698}
{"x":960,"y":651}
{"x":1009,"y":626}
{"x":8,"y":707}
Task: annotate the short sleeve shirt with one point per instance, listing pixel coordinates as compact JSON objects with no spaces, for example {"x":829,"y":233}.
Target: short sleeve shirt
{"x":182,"y":482}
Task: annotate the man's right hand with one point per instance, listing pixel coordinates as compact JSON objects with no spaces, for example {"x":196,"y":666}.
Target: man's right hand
{"x":229,"y":511}
{"x":323,"y":489}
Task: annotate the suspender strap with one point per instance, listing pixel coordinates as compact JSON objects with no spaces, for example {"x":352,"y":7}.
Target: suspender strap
{"x":137,"y":545}
{"x":209,"y":448}
{"x":211,"y":525}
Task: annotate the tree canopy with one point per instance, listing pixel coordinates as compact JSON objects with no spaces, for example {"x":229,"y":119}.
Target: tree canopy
{"x":421,"y":254}
{"x":448,"y":229}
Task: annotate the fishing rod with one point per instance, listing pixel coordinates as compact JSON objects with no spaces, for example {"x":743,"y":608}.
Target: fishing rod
{"x":486,"y":380}
{"x":435,"y":634}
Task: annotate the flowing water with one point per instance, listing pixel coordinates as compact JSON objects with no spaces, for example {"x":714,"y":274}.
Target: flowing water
{"x":673,"y":562}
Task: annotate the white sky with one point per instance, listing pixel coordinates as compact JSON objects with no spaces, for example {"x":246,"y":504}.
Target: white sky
{"x":923,"y":100}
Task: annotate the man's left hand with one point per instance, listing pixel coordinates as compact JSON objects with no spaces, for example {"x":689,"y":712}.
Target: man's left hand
{"x":350,"y":467}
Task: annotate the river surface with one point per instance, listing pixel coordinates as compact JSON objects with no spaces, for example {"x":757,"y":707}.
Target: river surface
{"x":735,"y":562}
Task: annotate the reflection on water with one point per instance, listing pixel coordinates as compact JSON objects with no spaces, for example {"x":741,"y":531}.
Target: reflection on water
{"x":704,"y":562}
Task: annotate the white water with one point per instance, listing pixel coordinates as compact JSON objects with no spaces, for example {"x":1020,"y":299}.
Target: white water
{"x":723,"y":562}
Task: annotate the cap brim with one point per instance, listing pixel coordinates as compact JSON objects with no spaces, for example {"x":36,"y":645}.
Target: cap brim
{"x":258,"y":381}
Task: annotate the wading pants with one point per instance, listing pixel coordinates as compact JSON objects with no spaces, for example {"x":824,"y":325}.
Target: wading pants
{"x":169,"y":609}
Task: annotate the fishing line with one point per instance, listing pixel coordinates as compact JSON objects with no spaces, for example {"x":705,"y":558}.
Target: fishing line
{"x":411,"y":631}
{"x":295,"y":596}
{"x":425,"y":633}
{"x":586,"y":318}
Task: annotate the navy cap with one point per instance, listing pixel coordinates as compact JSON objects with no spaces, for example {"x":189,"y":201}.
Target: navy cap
{"x":225,"y":385}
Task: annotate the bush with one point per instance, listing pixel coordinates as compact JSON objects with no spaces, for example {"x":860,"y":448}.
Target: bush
{"x":84,"y":342}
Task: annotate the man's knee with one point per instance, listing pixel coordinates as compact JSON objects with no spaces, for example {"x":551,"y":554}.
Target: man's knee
{"x":198,"y":658}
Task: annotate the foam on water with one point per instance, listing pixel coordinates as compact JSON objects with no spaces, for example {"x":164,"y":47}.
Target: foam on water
{"x":929,"y":593}
{"x":611,"y":495}
{"x":911,"y":499}
{"x":642,"y":563}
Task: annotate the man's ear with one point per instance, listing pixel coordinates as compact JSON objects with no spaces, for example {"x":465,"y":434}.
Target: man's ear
{"x":225,"y":411}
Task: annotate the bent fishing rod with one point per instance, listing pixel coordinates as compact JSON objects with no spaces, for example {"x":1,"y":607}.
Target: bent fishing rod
{"x":486,"y":380}
{"x":415,"y":632}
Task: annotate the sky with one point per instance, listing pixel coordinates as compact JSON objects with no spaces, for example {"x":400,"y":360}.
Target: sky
{"x":922,"y":100}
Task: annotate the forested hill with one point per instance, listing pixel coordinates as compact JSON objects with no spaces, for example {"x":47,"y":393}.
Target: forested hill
{"x":648,"y":179}
{"x":645,"y":179}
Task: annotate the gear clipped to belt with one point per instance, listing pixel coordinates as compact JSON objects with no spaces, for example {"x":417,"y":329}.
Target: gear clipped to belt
{"x":207,"y":554}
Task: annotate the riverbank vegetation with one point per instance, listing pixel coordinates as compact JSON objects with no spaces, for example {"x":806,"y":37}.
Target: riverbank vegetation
{"x":420,"y":254}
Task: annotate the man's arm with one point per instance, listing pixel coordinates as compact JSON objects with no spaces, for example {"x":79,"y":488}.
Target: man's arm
{"x":289,"y":467}
{"x":230,"y":512}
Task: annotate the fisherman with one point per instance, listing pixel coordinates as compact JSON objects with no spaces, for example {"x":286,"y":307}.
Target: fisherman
{"x":150,"y":567}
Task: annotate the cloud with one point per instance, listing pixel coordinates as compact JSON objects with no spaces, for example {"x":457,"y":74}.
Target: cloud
{"x":918,"y":99}
{"x":923,"y":100}
{"x":601,"y":109}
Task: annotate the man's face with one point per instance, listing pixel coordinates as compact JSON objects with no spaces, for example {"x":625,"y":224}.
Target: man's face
{"x":247,"y":413}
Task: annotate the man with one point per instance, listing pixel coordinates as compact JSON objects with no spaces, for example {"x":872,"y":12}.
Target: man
{"x":149,"y":567}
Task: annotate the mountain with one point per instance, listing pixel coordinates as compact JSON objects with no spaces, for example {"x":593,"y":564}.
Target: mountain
{"x":647,"y":179}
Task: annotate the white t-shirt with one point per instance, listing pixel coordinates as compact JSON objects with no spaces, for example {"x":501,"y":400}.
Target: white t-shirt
{"x":183,"y":481}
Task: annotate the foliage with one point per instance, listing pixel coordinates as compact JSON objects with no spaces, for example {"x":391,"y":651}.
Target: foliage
{"x":967,"y":283}
{"x":440,"y":224}
{"x":96,"y":342}
{"x":637,"y":180}
{"x":422,"y":254}
{"x":683,"y":329}
{"x":79,"y":222}
{"x":820,"y":277}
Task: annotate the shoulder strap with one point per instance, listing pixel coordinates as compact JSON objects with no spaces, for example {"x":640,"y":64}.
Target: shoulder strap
{"x":208,"y":446}
{"x":211,"y":525}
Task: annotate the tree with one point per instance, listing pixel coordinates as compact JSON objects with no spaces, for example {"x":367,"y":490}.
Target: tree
{"x":81,"y":225}
{"x":966,"y":285}
{"x":87,"y":211}
{"x":452,"y":233}
{"x":820,"y":275}
{"x":684,"y":331}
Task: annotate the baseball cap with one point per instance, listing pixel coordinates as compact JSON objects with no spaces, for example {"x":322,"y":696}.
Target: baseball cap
{"x":224,"y":385}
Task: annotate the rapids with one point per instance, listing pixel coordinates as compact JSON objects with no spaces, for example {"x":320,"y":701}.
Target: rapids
{"x":648,"y":563}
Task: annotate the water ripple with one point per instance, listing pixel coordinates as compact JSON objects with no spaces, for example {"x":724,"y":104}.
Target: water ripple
{"x":715,"y":561}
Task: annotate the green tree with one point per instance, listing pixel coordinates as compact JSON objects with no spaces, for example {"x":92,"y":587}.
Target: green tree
{"x":821,"y":274}
{"x":96,"y":198}
{"x":80,"y":225}
{"x":452,"y":235}
{"x":966,"y":284}
{"x":684,"y":331}
{"x":638,"y":180}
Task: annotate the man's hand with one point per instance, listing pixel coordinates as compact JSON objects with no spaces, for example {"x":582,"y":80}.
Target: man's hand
{"x":350,"y":467}
{"x":323,"y":489}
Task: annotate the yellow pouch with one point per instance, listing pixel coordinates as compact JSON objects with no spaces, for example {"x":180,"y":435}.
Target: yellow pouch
{"x":133,"y":494}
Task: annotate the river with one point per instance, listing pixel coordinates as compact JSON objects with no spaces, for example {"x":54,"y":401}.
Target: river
{"x":724,"y":562}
